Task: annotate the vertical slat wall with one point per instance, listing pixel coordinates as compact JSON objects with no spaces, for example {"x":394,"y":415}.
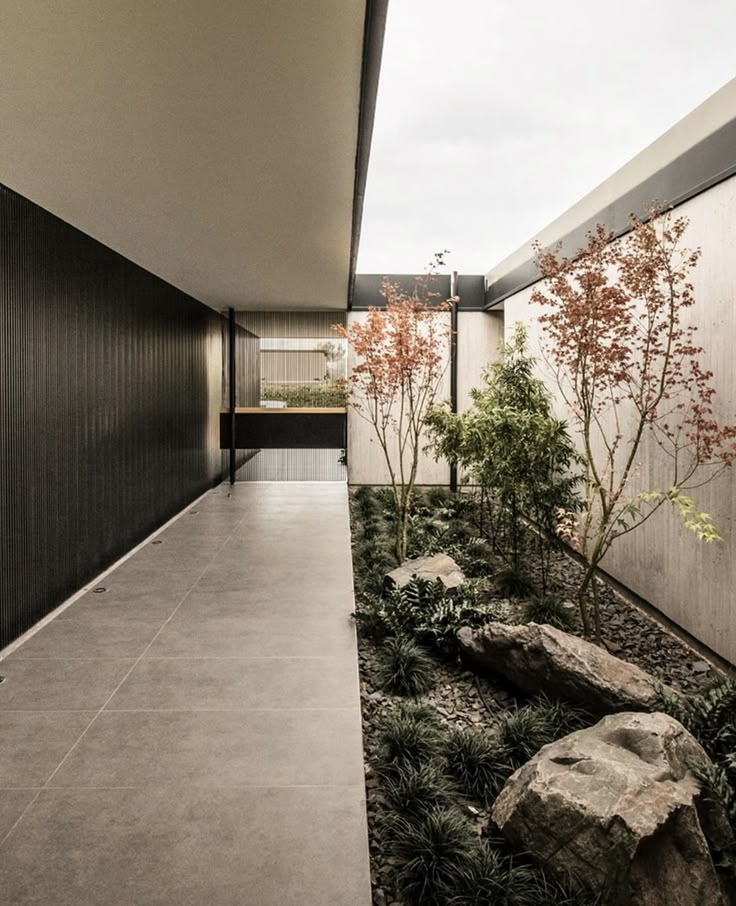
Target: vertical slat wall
{"x":110,"y":391}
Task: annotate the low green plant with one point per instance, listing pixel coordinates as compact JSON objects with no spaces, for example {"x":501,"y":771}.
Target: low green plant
{"x":307,"y":394}
{"x":521,"y":732}
{"x":372,"y":561}
{"x":433,"y":852}
{"x":411,"y":736}
{"x":709,"y":715}
{"x":412,"y":790}
{"x":551,"y":610}
{"x":513,"y":582}
{"x":405,"y":668}
{"x":494,"y":878}
{"x":427,"y":612}
{"x":474,"y":761}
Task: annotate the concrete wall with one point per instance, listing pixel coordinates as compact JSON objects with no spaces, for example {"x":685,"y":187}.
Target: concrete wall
{"x":691,"y":582}
{"x":479,"y":334}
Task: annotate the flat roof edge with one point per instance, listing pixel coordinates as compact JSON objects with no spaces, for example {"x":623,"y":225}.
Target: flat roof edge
{"x":697,"y":153}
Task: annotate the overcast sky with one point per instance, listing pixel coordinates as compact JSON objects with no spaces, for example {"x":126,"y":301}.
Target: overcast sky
{"x":495,"y":116}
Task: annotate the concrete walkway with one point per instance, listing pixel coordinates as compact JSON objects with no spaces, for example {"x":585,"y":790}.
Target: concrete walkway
{"x":191,"y":736}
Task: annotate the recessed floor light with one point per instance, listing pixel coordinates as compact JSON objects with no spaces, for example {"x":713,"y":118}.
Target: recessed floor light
{"x":156,"y":542}
{"x":99,"y":590}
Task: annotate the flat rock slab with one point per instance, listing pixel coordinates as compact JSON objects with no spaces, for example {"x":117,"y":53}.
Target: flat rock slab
{"x":539,"y":658}
{"x":617,"y":808}
{"x":436,"y":568}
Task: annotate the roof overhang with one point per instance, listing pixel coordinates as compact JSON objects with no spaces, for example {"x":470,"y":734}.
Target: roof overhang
{"x":222,"y":146}
{"x":697,"y":153}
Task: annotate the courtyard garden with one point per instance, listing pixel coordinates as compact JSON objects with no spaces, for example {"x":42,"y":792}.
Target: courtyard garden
{"x":531,"y":736}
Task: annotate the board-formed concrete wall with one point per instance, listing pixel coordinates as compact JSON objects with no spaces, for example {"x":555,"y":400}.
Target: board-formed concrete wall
{"x":691,"y":582}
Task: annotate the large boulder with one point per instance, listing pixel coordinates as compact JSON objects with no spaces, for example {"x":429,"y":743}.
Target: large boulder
{"x":616,"y":808}
{"x":435,"y":568}
{"x":539,"y":658}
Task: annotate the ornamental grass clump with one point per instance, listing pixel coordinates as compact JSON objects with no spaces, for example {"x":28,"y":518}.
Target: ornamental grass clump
{"x":475,"y":760}
{"x":405,"y":669}
{"x":412,"y":790}
{"x":521,"y":733}
{"x":494,"y":878}
{"x":551,"y":610}
{"x":411,"y":736}
{"x":433,"y":852}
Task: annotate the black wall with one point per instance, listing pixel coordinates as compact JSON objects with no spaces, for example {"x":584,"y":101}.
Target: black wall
{"x":110,"y":390}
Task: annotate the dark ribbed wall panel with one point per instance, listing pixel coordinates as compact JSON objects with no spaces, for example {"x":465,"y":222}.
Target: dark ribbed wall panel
{"x":110,"y":388}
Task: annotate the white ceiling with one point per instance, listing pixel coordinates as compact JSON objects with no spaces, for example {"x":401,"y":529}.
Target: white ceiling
{"x":212,"y":142}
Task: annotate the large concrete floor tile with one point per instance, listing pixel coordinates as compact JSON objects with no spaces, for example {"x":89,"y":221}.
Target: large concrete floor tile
{"x":264,"y":601}
{"x":235,"y":683}
{"x":233,"y":577}
{"x":58,"y":684}
{"x":124,"y":603}
{"x":136,"y":576}
{"x":255,"y":637}
{"x":12,"y":805}
{"x":105,"y":636}
{"x":189,"y":847}
{"x":217,"y":748}
{"x":33,"y":743}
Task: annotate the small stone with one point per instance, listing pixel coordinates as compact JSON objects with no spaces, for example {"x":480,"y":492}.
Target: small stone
{"x":379,"y":897}
{"x":700,"y":667}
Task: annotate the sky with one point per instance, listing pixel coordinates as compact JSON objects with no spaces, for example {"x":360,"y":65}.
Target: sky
{"x":493,"y":117}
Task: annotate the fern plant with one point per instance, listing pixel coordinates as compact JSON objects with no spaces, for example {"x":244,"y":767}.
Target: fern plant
{"x":428,"y":612}
{"x":711,"y":717}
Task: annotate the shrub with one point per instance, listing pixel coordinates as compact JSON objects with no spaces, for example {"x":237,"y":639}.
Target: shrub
{"x":474,"y":760}
{"x":307,"y":394}
{"x":433,"y":852}
{"x":405,"y":669}
{"x":411,"y":790}
{"x":411,"y":736}
{"x":551,"y":610}
{"x":519,"y":454}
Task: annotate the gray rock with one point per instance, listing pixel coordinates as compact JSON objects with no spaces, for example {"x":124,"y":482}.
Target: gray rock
{"x":539,"y":658}
{"x":700,"y":667}
{"x":436,"y":568}
{"x":616,"y":807}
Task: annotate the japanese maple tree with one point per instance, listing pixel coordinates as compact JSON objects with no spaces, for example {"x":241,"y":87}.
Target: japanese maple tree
{"x":631,"y":373}
{"x":402,"y":355}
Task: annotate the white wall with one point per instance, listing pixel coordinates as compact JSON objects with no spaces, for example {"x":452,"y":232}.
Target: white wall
{"x":692,"y":582}
{"x":479,"y":334}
